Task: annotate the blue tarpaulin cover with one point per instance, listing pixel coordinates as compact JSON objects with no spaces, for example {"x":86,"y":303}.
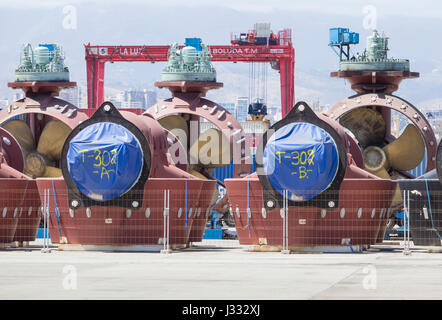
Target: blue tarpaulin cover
{"x":302,"y":158}
{"x":105,"y":160}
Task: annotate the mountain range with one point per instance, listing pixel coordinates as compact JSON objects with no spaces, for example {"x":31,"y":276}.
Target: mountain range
{"x":98,"y":22}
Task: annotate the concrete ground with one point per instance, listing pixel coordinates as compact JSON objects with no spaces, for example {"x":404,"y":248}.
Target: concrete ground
{"x":219,"y":270}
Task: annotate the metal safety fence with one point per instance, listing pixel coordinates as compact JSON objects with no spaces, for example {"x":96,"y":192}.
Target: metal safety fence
{"x":158,"y":219}
{"x":422,"y":218}
{"x":20,"y":214}
{"x":351,"y":220}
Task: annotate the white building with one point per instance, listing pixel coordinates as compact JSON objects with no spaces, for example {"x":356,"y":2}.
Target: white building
{"x":242,"y":108}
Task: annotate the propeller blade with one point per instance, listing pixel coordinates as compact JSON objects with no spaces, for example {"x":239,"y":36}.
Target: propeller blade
{"x":52,"y":139}
{"x":22,"y":133}
{"x":366,"y":124}
{"x":174,"y":122}
{"x":212,"y":150}
{"x":177,"y":125}
{"x":380,"y":172}
{"x":52,"y":172}
{"x":407,"y":151}
{"x":198,"y":174}
{"x":397,"y":198}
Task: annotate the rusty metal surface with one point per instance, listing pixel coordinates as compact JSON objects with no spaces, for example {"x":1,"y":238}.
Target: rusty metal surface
{"x":42,"y":108}
{"x":113,"y":226}
{"x":366,"y":204}
{"x":45,"y":104}
{"x":13,"y":198}
{"x":439,"y":162}
{"x":10,"y":151}
{"x":29,"y":215}
{"x":188,"y":86}
{"x":375,"y":81}
{"x":42,"y":86}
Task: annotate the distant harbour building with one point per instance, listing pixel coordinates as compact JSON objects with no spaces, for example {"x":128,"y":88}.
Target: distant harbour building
{"x":273,"y":114}
{"x":135,"y":99}
{"x":230,"y":107}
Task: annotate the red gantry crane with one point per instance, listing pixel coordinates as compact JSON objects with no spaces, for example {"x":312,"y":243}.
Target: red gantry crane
{"x":258,"y":45}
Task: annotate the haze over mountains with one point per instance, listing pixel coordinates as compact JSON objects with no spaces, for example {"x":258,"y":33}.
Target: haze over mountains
{"x":414,"y":34}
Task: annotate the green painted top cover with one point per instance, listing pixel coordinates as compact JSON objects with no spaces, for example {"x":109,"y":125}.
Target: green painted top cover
{"x":374,"y":57}
{"x":189,"y":64}
{"x":44,"y":63}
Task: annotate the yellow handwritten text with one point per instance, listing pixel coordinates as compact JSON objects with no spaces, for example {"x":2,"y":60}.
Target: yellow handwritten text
{"x":104,"y":161}
{"x":300,"y":160}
